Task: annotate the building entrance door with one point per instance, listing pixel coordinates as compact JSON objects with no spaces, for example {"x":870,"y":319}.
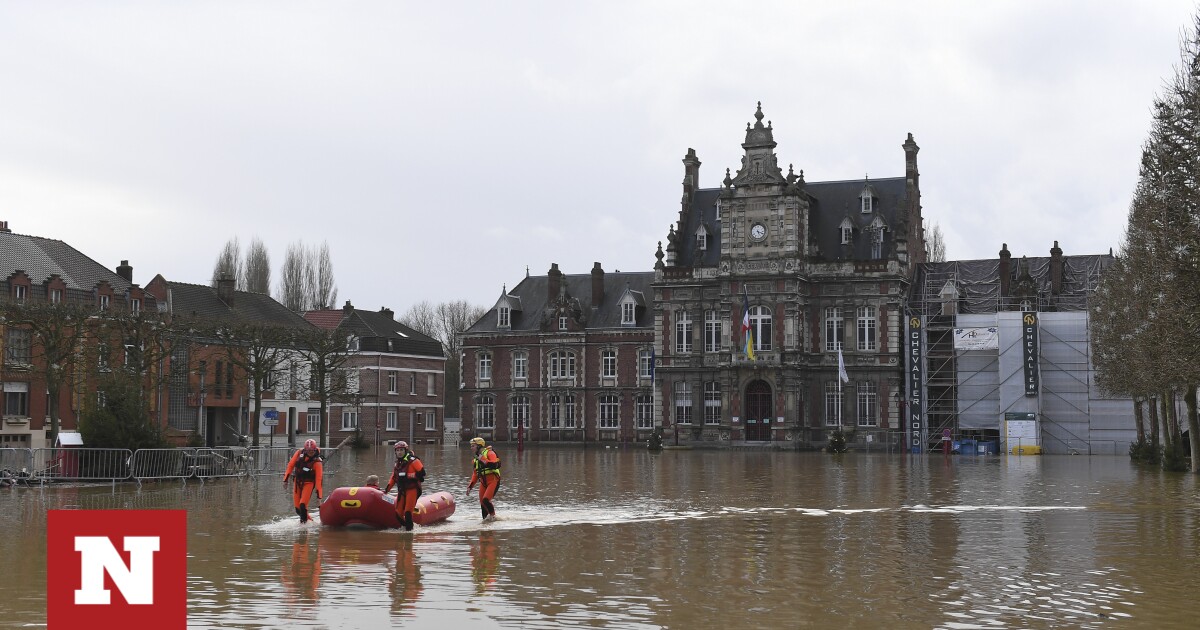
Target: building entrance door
{"x":758,"y":412}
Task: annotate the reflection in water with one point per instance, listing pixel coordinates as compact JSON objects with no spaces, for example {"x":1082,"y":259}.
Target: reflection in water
{"x":406,"y":579}
{"x":625,"y":539}
{"x":302,"y":577}
{"x":485,"y":562}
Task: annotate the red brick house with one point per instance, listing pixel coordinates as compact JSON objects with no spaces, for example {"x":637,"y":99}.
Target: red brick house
{"x":400,"y":375}
{"x":566,"y":358}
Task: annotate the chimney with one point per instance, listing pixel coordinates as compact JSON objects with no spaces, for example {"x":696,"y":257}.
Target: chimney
{"x":691,"y":172}
{"x":910,"y":162}
{"x":4,"y":227}
{"x":348,"y":308}
{"x":597,"y":285}
{"x":125,"y":271}
{"x":1005,"y":272}
{"x":225,"y":285}
{"x":1056,"y":269}
{"x":553,"y":282}
{"x":387,"y":312}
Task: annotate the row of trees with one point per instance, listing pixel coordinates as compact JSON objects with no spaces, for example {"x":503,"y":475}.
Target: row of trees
{"x":444,"y":322}
{"x":306,"y":279}
{"x":1146,"y":313}
{"x":115,"y":361}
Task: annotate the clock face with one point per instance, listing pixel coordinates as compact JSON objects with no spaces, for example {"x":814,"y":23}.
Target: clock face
{"x":758,"y":231}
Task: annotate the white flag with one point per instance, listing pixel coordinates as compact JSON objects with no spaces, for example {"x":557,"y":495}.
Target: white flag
{"x":842,"y":369}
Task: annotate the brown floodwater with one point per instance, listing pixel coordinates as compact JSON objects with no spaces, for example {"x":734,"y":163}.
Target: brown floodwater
{"x":625,"y":538}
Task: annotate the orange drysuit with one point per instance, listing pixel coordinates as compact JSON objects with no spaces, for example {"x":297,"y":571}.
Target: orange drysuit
{"x":306,"y":464}
{"x":407,"y":476}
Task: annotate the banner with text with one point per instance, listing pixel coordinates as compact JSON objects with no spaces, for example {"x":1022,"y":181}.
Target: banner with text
{"x":977,"y":338}
{"x":1029,"y":344}
{"x":916,"y":384}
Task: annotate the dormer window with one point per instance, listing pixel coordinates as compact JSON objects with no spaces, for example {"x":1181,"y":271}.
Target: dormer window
{"x":104,"y":302}
{"x":503,"y":317}
{"x":352,"y":343}
{"x":866,"y":199}
{"x":56,"y":296}
{"x":702,"y":238}
{"x":628,"y":311}
{"x":562,"y":322}
{"x":847,"y":231}
{"x":135,"y":306}
{"x":19,"y":292}
{"x":876,"y":230}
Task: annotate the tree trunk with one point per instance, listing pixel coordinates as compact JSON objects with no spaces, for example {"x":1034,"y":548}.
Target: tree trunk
{"x":1193,"y":422}
{"x":1138,"y":420}
{"x":255,"y":418}
{"x":1154,"y":435}
{"x":1165,"y":416}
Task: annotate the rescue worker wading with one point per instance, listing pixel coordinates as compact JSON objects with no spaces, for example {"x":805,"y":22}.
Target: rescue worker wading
{"x":487,"y":473}
{"x":306,"y":464}
{"x":407,"y":476}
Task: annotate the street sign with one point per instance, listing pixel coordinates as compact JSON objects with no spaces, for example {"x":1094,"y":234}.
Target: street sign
{"x":270,"y":422}
{"x":271,"y":413}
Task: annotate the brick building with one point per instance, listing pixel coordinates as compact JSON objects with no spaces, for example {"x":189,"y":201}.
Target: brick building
{"x":568,"y":358}
{"x":822,"y":266}
{"x":36,"y":270}
{"x":400,"y":376}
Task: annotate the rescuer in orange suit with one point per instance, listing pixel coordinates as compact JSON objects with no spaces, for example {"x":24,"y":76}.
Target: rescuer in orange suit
{"x":487,"y":473}
{"x":306,"y":464}
{"x":407,"y":475}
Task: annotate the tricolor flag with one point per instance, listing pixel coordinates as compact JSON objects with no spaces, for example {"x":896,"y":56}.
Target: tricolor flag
{"x":747,"y":333}
{"x":842,"y":369}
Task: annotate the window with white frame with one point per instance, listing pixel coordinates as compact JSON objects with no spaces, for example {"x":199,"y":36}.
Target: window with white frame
{"x":712,"y":402}
{"x":352,"y":343}
{"x":104,"y":302}
{"x":485,"y":412}
{"x":431,"y":421}
{"x":608,"y":364}
{"x":555,"y":411}
{"x":101,"y":398}
{"x":569,"y":411}
{"x":847,"y":234}
{"x":760,"y":325}
{"x":412,"y":378}
{"x":833,"y":404}
{"x":683,"y":332}
{"x":865,"y":198}
{"x":712,"y":331}
{"x":877,"y":243}
{"x":866,"y":328}
{"x":702,"y":238}
{"x":644,"y":411}
{"x":562,"y":364}
{"x":16,"y":398}
{"x":349,"y":420}
{"x":135,"y":306}
{"x":19,"y":292}
{"x":562,"y":322}
{"x":628,"y":313}
{"x":503,"y":315}
{"x":312,"y":421}
{"x":645,"y":363}
{"x":485,"y":370}
{"x":520,"y":365}
{"x":519,"y":416}
{"x":56,"y":296}
{"x":18,"y":346}
{"x":868,"y":404}
{"x":683,"y":402}
{"x":393,"y":382}
{"x":393,"y":422}
{"x":833,"y":328}
{"x":430,"y":385}
{"x":102,"y":357}
{"x":610,"y":409}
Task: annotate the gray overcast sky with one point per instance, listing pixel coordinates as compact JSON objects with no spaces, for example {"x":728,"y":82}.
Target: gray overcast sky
{"x":439,"y":151}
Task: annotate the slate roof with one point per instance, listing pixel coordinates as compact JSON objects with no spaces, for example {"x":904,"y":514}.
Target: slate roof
{"x":607,"y":314}
{"x":375,"y":329}
{"x":42,"y":257}
{"x":978,"y":283}
{"x":201,"y":301}
{"x":829,"y":204}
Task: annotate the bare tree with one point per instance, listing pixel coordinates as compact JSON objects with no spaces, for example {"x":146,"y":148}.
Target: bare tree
{"x":293,"y":291}
{"x":423,"y":318}
{"x":325,"y":288}
{"x":260,"y":350}
{"x":229,"y":262}
{"x":326,"y":353}
{"x":445,"y":322}
{"x":257,"y":268}
{"x":47,"y":337}
{"x":937,"y":245}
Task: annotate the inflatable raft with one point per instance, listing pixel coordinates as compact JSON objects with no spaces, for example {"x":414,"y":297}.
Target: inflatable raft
{"x":366,"y":506}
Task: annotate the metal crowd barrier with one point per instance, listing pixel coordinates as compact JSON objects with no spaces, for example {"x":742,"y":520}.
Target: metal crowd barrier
{"x":81,"y":464}
{"x":161,"y":463}
{"x":16,"y":460}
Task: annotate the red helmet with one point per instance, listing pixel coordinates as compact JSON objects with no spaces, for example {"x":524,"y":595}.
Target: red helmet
{"x":310,"y":445}
{"x":401,"y":445}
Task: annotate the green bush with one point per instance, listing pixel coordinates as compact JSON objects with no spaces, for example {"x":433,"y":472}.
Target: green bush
{"x":119,"y":418}
{"x":837,"y":442}
{"x":1175,"y":457}
{"x":1143,"y":451}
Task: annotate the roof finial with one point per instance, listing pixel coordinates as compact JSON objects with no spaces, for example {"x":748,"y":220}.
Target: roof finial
{"x":791,"y":176}
{"x":758,"y":115}
{"x":728,"y":180}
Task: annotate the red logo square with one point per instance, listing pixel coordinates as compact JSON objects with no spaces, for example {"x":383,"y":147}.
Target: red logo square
{"x":116,"y":569}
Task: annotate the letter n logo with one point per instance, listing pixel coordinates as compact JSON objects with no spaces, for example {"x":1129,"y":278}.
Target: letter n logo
{"x":116,"y":568}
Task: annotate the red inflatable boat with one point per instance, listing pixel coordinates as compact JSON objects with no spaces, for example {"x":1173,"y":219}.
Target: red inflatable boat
{"x":366,"y":506}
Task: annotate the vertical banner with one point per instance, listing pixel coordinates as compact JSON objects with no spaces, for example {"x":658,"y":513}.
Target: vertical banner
{"x":916,"y":384}
{"x":1029,"y":343}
